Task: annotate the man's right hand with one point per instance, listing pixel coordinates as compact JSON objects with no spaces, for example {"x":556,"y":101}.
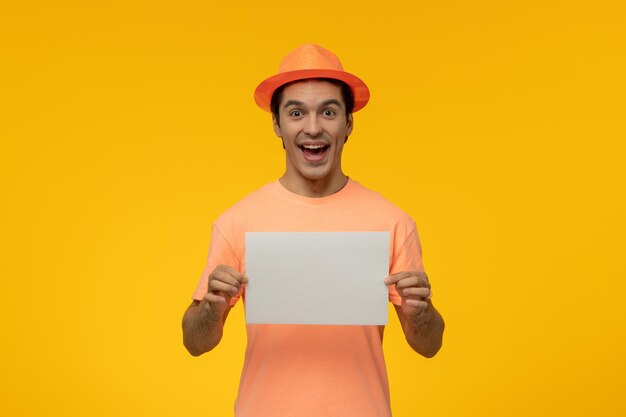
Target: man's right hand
{"x":224,"y":283}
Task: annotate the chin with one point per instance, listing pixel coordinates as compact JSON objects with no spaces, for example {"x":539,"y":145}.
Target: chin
{"x":316,"y":176}
{"x":315,"y":173}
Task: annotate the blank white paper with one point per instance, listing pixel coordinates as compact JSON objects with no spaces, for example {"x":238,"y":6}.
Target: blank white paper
{"x":317,"y":277}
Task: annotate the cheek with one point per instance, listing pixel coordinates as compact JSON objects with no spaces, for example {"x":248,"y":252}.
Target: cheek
{"x":340,"y":143}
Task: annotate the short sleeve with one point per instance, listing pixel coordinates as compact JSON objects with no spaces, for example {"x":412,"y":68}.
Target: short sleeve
{"x":407,"y":256}
{"x":220,"y":253}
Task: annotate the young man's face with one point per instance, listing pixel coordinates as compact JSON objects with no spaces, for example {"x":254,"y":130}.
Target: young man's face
{"x":313,"y":127}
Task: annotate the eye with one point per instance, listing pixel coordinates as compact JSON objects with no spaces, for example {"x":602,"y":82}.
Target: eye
{"x":329,"y":112}
{"x":295,"y":113}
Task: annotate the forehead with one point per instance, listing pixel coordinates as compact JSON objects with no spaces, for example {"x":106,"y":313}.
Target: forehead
{"x":312,"y":91}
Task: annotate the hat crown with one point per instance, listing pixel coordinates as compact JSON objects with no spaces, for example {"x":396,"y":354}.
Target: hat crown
{"x":310,"y":56}
{"x":306,"y":62}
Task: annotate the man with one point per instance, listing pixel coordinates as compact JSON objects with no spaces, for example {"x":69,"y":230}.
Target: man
{"x":311,"y":370}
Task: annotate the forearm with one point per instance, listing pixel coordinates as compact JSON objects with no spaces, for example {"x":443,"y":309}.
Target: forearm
{"x":424,"y":332}
{"x":202,"y":330}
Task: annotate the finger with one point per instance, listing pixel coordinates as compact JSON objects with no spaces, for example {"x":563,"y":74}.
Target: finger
{"x":231,"y":272}
{"x":417,"y":303}
{"x":412,"y":281}
{"x":215,"y":298}
{"x":225,"y":277}
{"x":216,"y":285}
{"x":392,"y":279}
{"x":423,"y":281}
{"x":216,"y":304}
{"x":413,"y":292}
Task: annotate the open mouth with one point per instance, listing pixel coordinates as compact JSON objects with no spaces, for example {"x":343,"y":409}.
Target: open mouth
{"x":314,"y":152}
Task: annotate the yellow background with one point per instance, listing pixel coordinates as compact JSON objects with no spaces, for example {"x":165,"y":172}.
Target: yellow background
{"x":128,"y":127}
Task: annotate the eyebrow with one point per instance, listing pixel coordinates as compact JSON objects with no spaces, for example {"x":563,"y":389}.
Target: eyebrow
{"x":331,"y":101}
{"x":292,"y":103}
{"x":300,"y":103}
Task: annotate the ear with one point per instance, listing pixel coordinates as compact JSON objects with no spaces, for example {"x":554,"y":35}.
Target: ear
{"x":349,"y":125}
{"x":276,"y":127}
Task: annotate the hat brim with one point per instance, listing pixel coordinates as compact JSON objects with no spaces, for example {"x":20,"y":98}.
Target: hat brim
{"x":265,"y":90}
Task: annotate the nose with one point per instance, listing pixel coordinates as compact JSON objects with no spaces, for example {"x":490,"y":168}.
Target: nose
{"x":313,"y":126}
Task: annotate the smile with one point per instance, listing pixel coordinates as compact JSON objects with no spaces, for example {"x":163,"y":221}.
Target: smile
{"x":314,"y":153}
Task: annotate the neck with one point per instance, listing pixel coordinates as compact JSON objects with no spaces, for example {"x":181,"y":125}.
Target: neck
{"x":315,"y":188}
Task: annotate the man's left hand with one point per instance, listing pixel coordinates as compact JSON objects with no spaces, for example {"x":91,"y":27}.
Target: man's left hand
{"x":414,"y":289}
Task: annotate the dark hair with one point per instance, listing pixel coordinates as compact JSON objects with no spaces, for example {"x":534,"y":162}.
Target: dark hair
{"x":346,"y":93}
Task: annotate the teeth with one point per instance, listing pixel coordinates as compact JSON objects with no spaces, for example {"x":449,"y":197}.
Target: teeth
{"x":313,"y":146}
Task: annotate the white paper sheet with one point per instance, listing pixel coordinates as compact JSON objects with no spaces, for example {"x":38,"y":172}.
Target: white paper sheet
{"x":317,"y":277}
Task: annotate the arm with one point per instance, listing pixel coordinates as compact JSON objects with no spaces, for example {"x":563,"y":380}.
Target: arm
{"x":202,"y":329}
{"x":422,"y":324}
{"x":423,"y":332}
{"x":203,"y":321}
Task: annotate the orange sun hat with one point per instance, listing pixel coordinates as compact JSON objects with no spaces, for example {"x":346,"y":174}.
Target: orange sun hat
{"x":310,"y":61}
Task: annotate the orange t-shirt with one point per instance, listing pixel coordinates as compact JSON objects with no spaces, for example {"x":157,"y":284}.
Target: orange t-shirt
{"x":312,"y":370}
